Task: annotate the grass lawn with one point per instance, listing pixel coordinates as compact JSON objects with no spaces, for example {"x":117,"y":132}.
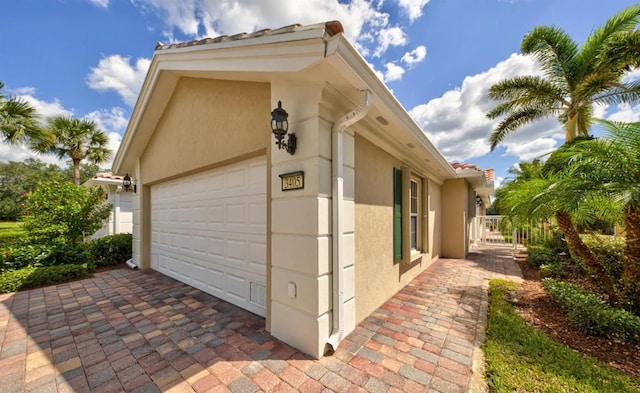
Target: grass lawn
{"x":523,"y":359}
{"x":10,"y":231}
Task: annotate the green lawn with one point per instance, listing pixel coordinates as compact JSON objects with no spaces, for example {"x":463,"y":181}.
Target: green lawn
{"x":523,"y":359}
{"x":10,"y":231}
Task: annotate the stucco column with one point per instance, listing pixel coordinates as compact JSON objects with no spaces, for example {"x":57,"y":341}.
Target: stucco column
{"x":454,"y":223}
{"x":301,"y":223}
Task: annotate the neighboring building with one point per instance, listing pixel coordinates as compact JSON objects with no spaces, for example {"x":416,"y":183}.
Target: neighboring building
{"x":121,"y":218}
{"x":376,"y":204}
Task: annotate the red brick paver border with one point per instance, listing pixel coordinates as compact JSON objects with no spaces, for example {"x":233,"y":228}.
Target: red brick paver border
{"x":134,"y":331}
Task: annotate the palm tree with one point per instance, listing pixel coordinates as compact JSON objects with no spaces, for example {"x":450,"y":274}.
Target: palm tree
{"x":78,"y":139}
{"x":574,"y":78}
{"x":17,"y":119}
{"x":609,"y":168}
{"x":534,"y":195}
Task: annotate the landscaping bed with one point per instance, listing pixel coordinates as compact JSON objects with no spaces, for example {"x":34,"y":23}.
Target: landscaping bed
{"x":538,"y":309}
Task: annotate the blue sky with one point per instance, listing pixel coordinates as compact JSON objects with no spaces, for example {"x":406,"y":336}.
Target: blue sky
{"x":88,"y":58}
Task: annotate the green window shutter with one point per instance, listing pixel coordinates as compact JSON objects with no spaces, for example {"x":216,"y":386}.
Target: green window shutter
{"x":397,"y":214}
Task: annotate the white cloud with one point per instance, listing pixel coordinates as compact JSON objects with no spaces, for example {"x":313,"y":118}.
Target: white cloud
{"x":365,"y":22}
{"x":100,"y":3}
{"x":625,"y":113}
{"x":44,"y":109}
{"x":413,"y":8}
{"x":457,"y":124}
{"x":415,"y":56}
{"x":632,"y":76}
{"x":118,"y":74}
{"x":393,"y":73}
{"x":113,"y":119}
{"x":392,"y":36}
{"x":528,"y":150}
{"x":215,"y":17}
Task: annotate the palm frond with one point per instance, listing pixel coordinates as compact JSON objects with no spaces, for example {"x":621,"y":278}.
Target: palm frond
{"x":18,"y":120}
{"x":554,"y":49}
{"x":526,"y":87}
{"x":621,"y":53}
{"x":514,"y":121}
{"x":596,"y":44}
{"x":619,"y":94}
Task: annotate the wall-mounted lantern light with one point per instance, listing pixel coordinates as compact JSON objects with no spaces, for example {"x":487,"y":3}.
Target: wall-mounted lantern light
{"x":280,"y":126}
{"x":478,"y":200}
{"x":128,"y":184}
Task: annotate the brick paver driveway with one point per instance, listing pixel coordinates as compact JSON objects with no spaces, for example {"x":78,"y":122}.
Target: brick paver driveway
{"x":134,"y":331}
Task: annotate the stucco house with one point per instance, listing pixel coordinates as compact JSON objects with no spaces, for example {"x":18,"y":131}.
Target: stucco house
{"x":121,"y":218}
{"x":316,"y":240}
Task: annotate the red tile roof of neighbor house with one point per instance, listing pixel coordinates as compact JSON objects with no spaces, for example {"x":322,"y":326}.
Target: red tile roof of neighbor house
{"x":331,"y":27}
{"x":107,"y":175}
{"x":489,"y":174}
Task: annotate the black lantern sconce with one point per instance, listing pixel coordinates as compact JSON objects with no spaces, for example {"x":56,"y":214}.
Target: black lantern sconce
{"x":478,"y":200}
{"x":280,"y":126}
{"x":128,"y":184}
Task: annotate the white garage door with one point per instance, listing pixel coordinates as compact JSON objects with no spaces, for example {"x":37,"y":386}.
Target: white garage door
{"x":208,"y":230}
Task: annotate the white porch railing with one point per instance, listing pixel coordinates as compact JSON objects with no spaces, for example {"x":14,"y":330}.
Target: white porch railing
{"x":501,"y":231}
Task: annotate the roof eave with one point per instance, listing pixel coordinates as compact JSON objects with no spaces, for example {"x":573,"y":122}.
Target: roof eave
{"x":347,"y":60}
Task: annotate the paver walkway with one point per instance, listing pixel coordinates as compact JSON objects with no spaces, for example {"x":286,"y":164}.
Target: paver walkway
{"x":134,"y":331}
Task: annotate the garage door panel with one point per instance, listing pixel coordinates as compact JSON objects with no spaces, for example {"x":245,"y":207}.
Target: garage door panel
{"x":209,"y":231}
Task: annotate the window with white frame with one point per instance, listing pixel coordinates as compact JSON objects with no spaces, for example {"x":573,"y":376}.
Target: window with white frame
{"x":414,"y":214}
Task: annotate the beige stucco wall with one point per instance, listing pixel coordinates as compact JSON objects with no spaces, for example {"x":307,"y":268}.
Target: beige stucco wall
{"x":454,"y":218}
{"x":207,"y":122}
{"x":197,"y":132}
{"x":377,"y":277}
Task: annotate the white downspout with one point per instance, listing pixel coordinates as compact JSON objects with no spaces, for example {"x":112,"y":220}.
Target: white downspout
{"x":337,"y":197}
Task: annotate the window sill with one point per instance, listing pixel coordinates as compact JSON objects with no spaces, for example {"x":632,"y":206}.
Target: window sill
{"x":415,"y":255}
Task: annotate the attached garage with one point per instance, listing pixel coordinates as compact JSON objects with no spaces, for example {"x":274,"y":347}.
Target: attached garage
{"x":208,"y":230}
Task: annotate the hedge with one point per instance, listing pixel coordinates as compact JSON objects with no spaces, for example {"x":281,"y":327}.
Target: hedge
{"x":591,"y":314}
{"x":31,"y":277}
{"x":112,"y":249}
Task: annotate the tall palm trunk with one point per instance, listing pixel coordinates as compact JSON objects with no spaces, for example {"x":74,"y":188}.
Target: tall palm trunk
{"x":631,"y":273}
{"x":76,"y":171}
{"x":577,"y":246}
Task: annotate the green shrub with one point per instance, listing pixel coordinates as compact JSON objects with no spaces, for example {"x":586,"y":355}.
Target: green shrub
{"x":31,"y":277}
{"x":540,"y":255}
{"x":62,"y":210}
{"x":49,"y":254}
{"x":63,"y":253}
{"x":553,"y":270}
{"x":591,"y":314}
{"x":112,"y":249}
{"x":556,"y":243}
{"x":610,"y":251}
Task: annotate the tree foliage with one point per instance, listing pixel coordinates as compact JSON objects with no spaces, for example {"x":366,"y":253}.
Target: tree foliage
{"x":574,"y":78}
{"x":18,"y":119}
{"x":77,"y":139}
{"x":62,"y":210}
{"x":17,"y":179}
{"x":608,"y":170}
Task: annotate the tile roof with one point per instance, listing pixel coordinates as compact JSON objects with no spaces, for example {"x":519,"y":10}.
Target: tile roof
{"x":462,"y":165}
{"x":489,"y":174}
{"x":107,"y":175}
{"x":331,"y":28}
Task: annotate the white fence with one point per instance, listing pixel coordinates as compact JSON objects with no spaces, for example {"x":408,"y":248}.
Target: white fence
{"x":502,"y":231}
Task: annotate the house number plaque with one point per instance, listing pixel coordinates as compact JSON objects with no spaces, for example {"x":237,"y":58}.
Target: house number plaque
{"x":292,"y":181}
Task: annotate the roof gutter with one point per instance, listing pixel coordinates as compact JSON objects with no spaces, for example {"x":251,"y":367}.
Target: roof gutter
{"x":337,"y":230}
